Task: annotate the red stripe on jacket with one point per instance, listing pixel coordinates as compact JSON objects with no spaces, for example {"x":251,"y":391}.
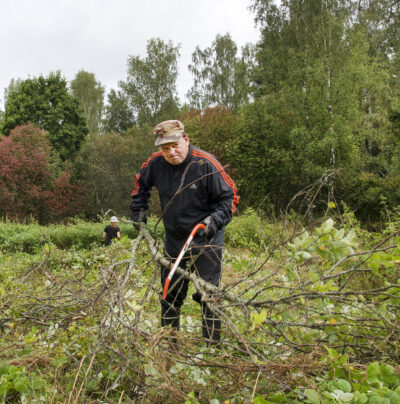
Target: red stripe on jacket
{"x":145,"y":164}
{"x":228,"y":180}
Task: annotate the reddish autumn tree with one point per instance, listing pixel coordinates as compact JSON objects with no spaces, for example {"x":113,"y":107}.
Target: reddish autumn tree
{"x":32,"y":183}
{"x":66,"y":199}
{"x":211,"y":129}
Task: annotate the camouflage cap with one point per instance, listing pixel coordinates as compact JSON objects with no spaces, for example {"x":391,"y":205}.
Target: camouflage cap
{"x":168,"y":132}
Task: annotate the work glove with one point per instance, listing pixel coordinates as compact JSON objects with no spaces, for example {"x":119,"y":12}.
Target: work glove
{"x":138,"y":216}
{"x":211,"y":228}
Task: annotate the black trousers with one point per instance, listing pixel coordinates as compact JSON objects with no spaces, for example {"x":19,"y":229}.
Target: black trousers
{"x":204,"y":260}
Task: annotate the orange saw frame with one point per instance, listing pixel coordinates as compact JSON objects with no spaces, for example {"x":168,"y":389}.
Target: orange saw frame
{"x":180,"y":256}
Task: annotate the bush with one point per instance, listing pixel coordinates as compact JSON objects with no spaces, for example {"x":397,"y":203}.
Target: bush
{"x":30,"y":238}
{"x":245,"y":231}
{"x":31,"y":181}
{"x":248,"y":231}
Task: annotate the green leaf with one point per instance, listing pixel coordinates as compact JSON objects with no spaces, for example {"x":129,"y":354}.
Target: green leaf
{"x":304,"y":255}
{"x":393,"y":397}
{"x":5,"y":387}
{"x":344,"y":385}
{"x":339,"y":234}
{"x":260,"y":400}
{"x":258,"y":318}
{"x":14,"y":370}
{"x":192,"y":399}
{"x":333,"y":354}
{"x":313,"y":396}
{"x":327,"y":226}
{"x":375,"y":399}
{"x":361,"y":399}
{"x":314,"y":277}
{"x":388,"y":375}
{"x":3,"y":369}
{"x":346,"y":397}
{"x":373,"y":372}
{"x":22,"y":384}
{"x":276,"y":398}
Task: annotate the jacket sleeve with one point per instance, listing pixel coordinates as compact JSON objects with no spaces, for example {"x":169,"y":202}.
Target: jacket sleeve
{"x":222,"y":192}
{"x":143,"y":185}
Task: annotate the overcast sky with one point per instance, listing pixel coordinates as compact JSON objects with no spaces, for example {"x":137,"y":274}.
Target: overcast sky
{"x":40,"y":36}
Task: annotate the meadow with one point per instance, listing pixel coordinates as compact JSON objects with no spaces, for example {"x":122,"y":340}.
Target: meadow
{"x":310,"y":314}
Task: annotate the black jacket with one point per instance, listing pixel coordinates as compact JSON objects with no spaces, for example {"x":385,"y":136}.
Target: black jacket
{"x":206,"y":189}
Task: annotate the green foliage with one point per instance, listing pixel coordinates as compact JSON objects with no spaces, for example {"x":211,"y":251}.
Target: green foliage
{"x":17,"y":385}
{"x":325,"y":302}
{"x":13,"y":380}
{"x":220,"y":77}
{"x":248,"y":231}
{"x":345,"y":384}
{"x":45,"y":101}
{"x":212,"y":130}
{"x":365,"y":192}
{"x":90,"y":93}
{"x":324,"y":95}
{"x":55,"y":299}
{"x":118,"y":115}
{"x":106,"y":168}
{"x":32,"y":238}
{"x":13,"y":86}
{"x":328,"y":242}
{"x":151,"y":82}
{"x":261,"y":143}
{"x":33,"y":183}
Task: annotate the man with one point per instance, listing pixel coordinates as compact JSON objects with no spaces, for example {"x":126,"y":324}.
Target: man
{"x":193,"y":188}
{"x":112,"y":231}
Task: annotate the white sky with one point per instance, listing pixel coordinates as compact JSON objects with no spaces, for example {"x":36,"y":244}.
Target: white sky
{"x":40,"y":36}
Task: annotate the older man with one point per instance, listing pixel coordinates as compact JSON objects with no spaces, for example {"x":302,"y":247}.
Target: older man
{"x":193,"y":187}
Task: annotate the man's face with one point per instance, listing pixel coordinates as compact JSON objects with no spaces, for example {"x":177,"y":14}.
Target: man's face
{"x":176,"y":152}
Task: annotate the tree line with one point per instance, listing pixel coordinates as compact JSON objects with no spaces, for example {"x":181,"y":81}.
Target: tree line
{"x":318,"y":93}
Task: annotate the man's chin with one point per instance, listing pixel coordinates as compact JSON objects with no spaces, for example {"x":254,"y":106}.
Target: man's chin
{"x":174,"y":162}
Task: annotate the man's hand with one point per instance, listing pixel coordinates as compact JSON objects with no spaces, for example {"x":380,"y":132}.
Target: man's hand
{"x":210,"y":230}
{"x":138,"y":216}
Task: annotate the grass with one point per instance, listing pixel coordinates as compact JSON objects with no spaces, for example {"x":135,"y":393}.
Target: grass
{"x":74,"y":327}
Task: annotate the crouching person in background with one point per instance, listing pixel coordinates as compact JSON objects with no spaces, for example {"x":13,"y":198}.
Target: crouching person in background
{"x":112,"y":231}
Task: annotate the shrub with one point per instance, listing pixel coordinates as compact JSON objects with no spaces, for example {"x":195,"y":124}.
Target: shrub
{"x":248,"y":231}
{"x":16,"y":237}
{"x":31,"y":181}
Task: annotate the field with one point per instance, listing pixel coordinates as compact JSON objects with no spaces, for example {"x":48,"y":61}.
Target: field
{"x":310,"y":315}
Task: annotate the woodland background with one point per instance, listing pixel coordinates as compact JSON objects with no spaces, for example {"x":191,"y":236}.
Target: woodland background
{"x":307,"y":122}
{"x":318,"y":96}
